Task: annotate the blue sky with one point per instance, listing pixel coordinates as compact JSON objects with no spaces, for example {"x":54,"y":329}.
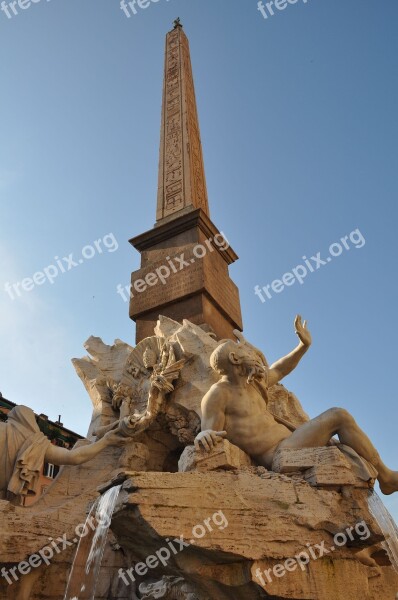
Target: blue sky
{"x":299,"y":129}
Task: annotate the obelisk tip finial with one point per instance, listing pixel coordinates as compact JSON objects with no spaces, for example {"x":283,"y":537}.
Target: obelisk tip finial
{"x":177,"y":23}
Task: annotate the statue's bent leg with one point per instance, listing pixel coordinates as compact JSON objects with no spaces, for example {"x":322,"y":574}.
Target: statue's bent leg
{"x":338,"y":421}
{"x":318,"y":431}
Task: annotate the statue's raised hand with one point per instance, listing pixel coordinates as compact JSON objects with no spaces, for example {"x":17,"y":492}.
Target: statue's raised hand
{"x":302,"y":332}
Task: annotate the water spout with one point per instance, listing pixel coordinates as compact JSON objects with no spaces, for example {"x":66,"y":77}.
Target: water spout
{"x":83,"y":577}
{"x":388,"y":526}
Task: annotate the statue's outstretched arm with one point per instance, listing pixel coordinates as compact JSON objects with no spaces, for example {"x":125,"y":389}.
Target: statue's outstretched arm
{"x":288,"y":363}
{"x":78,"y":456}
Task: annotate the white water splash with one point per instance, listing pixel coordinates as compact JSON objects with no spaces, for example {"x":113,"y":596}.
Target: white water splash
{"x":83,"y":577}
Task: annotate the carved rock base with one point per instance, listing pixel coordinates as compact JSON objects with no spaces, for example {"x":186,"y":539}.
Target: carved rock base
{"x":322,"y":467}
{"x":224,"y":456}
{"x":268,"y":518}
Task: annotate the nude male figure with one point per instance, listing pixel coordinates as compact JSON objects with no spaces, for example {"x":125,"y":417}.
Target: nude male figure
{"x":236,"y":408}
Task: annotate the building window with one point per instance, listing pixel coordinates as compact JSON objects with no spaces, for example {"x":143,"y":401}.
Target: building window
{"x":50,"y":471}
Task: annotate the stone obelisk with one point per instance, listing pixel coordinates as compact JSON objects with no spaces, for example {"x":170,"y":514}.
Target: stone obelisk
{"x":184,"y":264}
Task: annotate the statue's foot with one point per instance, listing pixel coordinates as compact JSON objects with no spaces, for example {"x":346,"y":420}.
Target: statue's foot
{"x":389,"y":485}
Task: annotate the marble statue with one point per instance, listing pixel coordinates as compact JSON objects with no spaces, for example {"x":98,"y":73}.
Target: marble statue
{"x":24,"y":448}
{"x":160,"y":372}
{"x":236,"y":408}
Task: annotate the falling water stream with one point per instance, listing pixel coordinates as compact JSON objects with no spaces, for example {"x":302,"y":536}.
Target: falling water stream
{"x":83,"y":577}
{"x":387,"y":525}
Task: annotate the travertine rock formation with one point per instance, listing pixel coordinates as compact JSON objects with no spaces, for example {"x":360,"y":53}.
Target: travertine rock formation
{"x":24,"y":532}
{"x":271,"y":518}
